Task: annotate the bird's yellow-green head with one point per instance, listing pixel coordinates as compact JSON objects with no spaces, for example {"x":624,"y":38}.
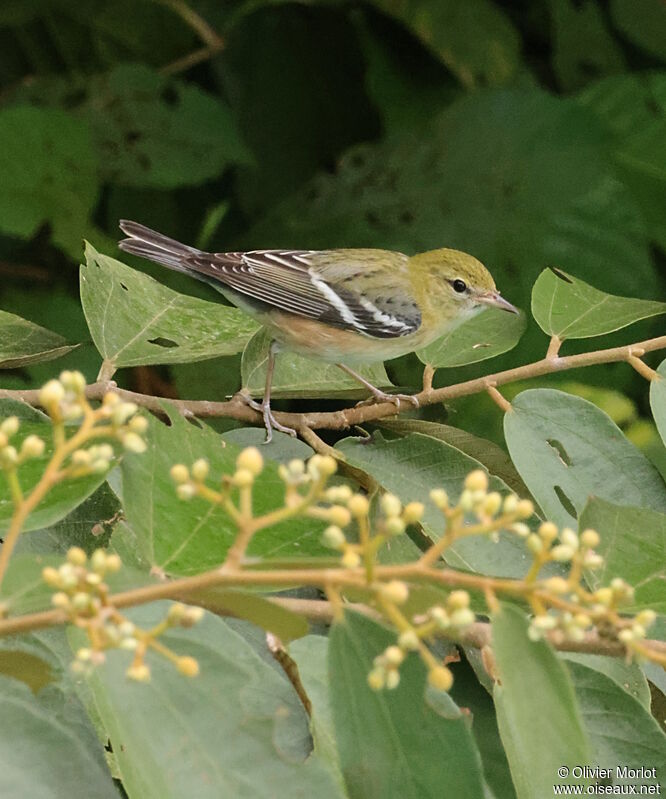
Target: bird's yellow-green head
{"x":453,"y":285}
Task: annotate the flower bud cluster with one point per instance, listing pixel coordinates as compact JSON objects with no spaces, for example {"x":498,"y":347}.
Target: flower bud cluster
{"x":189,"y":482}
{"x":385,"y":672}
{"x":64,"y":398}
{"x":564,"y":546}
{"x":32,"y":446}
{"x":127,"y":426}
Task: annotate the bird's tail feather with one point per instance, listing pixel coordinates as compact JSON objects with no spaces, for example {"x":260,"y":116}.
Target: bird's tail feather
{"x":147,"y":243}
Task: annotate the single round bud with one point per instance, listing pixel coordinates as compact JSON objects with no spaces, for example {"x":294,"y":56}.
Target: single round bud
{"x":243,"y":478}
{"x":122,"y":412}
{"x":110,"y":399}
{"x":440,"y":678}
{"x":338,"y":493}
{"x":462,"y":617}
{"x":10,"y":426}
{"x":646,"y":618}
{"x":638,"y":630}
{"x":68,"y":575}
{"x":32,"y":447}
{"x":129,"y":644}
{"x":187,"y":665}
{"x":548,"y":532}
{"x":392,"y":679}
{"x":139,"y":672}
{"x":51,"y":577}
{"x":358,"y":505}
{"x":510,"y":503}
{"x":81,"y":457}
{"x":590,"y":538}
{"x":625,"y":636}
{"x":582,"y":620}
{"x":413,"y":512}
{"x":545,"y":622}
{"x":557,"y":585}
{"x":176,"y":613}
{"x":477,"y":481}
{"x":440,"y":617}
{"x":52,"y":394}
{"x":179,"y":473}
{"x":390,"y":505}
{"x":492,"y":503}
{"x":409,"y":640}
{"x":333,"y":538}
{"x":113,"y":563}
{"x":395,"y":591}
{"x":134,"y":443}
{"x":326,"y":465}
{"x":84,"y":654}
{"x":8,"y":456}
{"x":524,"y":508}
{"x":73,"y":381}
{"x":534,"y":544}
{"x":98,"y":561}
{"x":251,"y":459}
{"x":80,"y":601}
{"x":93,"y":579}
{"x":200,"y":469}
{"x":350,"y":559}
{"x":569,"y":538}
{"x":339,"y":515}
{"x":592,"y":560}
{"x":604,"y":596}
{"x":393,"y":656}
{"x":126,"y":628}
{"x":457,"y":599}
{"x":296,"y":467}
{"x":439,"y":498}
{"x":376,"y":679}
{"x":60,"y":600}
{"x":562,"y":553}
{"x":520,"y":529}
{"x":77,"y":556}
{"x":394,"y":526}
{"x":138,"y":424}
{"x":466,"y":501}
{"x":185,"y":491}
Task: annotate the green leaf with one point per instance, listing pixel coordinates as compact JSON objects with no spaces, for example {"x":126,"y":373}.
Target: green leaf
{"x":393,"y":744}
{"x":23,"y":342}
{"x":410,"y":467}
{"x":539,"y":719}
{"x":296,"y":376}
{"x":23,"y":589}
{"x":492,"y":456}
{"x":48,"y":170}
{"x":633,"y":543}
{"x":553,"y":438}
{"x":475,"y":40}
{"x":26,"y":667}
{"x":628,"y":676}
{"x":486,"y":335}
{"x":643,"y":22}
{"x":41,"y":755}
{"x":135,"y":320}
{"x":282,"y":448}
{"x":658,"y":400}
{"x":235,"y":730}
{"x":569,"y":308}
{"x":621,"y":731}
{"x":188,"y":537}
{"x":157,"y":132}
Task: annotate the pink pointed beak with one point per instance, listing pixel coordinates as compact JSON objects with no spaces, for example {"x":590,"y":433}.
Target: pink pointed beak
{"x":495,"y":300}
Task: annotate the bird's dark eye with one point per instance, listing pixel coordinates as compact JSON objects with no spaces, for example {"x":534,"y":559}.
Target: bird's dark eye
{"x":459,"y":285}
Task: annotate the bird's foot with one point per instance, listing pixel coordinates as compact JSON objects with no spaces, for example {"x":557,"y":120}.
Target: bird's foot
{"x":270,"y":422}
{"x":382,"y":396}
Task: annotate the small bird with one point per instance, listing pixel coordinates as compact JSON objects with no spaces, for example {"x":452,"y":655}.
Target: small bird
{"x":344,"y":306}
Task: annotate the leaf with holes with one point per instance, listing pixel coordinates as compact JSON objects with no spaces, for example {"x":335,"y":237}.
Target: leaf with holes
{"x":296,"y":376}
{"x":23,"y":342}
{"x":569,"y":308}
{"x":633,"y":543}
{"x":135,"y":320}
{"x":658,"y":400}
{"x":486,"y":335}
{"x":568,"y":450}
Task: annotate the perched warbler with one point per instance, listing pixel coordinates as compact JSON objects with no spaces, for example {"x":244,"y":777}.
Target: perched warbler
{"x":337,"y":305}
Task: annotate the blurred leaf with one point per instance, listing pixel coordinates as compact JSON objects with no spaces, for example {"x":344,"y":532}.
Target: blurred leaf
{"x":484,"y":336}
{"x":658,"y":400}
{"x":42,"y":756}
{"x":410,"y":467}
{"x":569,"y":308}
{"x":154,"y":132}
{"x":135,"y":320}
{"x":539,"y":719}
{"x":567,"y":450}
{"x":584,"y":48}
{"x":392,"y":744}
{"x":297,"y":376}
{"x":25,"y":667}
{"x":282,"y":447}
{"x":475,"y":40}
{"x":23,"y":342}
{"x":628,"y":676}
{"x":493,"y":457}
{"x":231,"y":731}
{"x":189,"y":537}
{"x":48,"y":170}
{"x":633,"y":543}
{"x":620,"y":730}
{"x":23,"y":589}
{"x":643,"y":22}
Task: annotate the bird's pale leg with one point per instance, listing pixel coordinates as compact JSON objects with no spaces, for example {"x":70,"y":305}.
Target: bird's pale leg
{"x":377,"y":393}
{"x":264,"y":407}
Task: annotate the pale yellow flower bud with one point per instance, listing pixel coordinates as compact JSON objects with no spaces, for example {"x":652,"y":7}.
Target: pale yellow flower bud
{"x":392,"y":679}
{"x":32,"y":447}
{"x":358,"y":505}
{"x":73,"y":381}
{"x":462,"y":617}
{"x":390,"y":505}
{"x":179,"y":473}
{"x":394,"y":526}
{"x":395,"y":591}
{"x":139,"y":672}
{"x":457,"y":599}
{"x":339,"y":515}
{"x":138,"y":424}
{"x":200,"y":469}
{"x":557,"y":585}
{"x":492,"y":503}
{"x":77,"y":556}
{"x":562,"y":553}
{"x":413,"y":512}
{"x":590,"y":538}
{"x":10,"y":426}
{"x":439,"y":498}
{"x":185,"y":491}
{"x":376,"y":679}
{"x":408,"y":640}
{"x":188,"y":666}
{"x":393,"y":656}
{"x":569,"y":538}
{"x":524,"y":508}
{"x":646,"y":617}
{"x":510,"y":503}
{"x":440,"y":678}
{"x":51,"y":394}
{"x":520,"y":529}
{"x":243,"y":478}
{"x":548,"y":532}
{"x":51,"y":576}
{"x":534,"y":544}
{"x":350,"y":559}
{"x":134,"y":443}
{"x":477,"y":481}
{"x":250,"y":459}
{"x":333,"y":537}
{"x":113,"y":563}
{"x":466,"y":500}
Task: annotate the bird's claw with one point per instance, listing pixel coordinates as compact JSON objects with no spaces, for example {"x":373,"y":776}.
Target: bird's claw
{"x":396,"y":399}
{"x":270,"y":422}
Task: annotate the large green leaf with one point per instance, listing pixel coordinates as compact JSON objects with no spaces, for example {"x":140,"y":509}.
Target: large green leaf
{"x":410,"y":467}
{"x":621,"y":731}
{"x":539,"y":719}
{"x":48,"y":170}
{"x":135,"y":320}
{"x":43,"y":756}
{"x":188,"y":537}
{"x":486,"y":335}
{"x":630,"y":677}
{"x":152,"y":131}
{"x":643,"y":22}
{"x":296,"y":376}
{"x":658,"y":400}
{"x":569,"y":308}
{"x":633,"y":543}
{"x":23,"y":342}
{"x":475,"y":40}
{"x":567,"y":450}
{"x":238,"y":729}
{"x":393,"y":744}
